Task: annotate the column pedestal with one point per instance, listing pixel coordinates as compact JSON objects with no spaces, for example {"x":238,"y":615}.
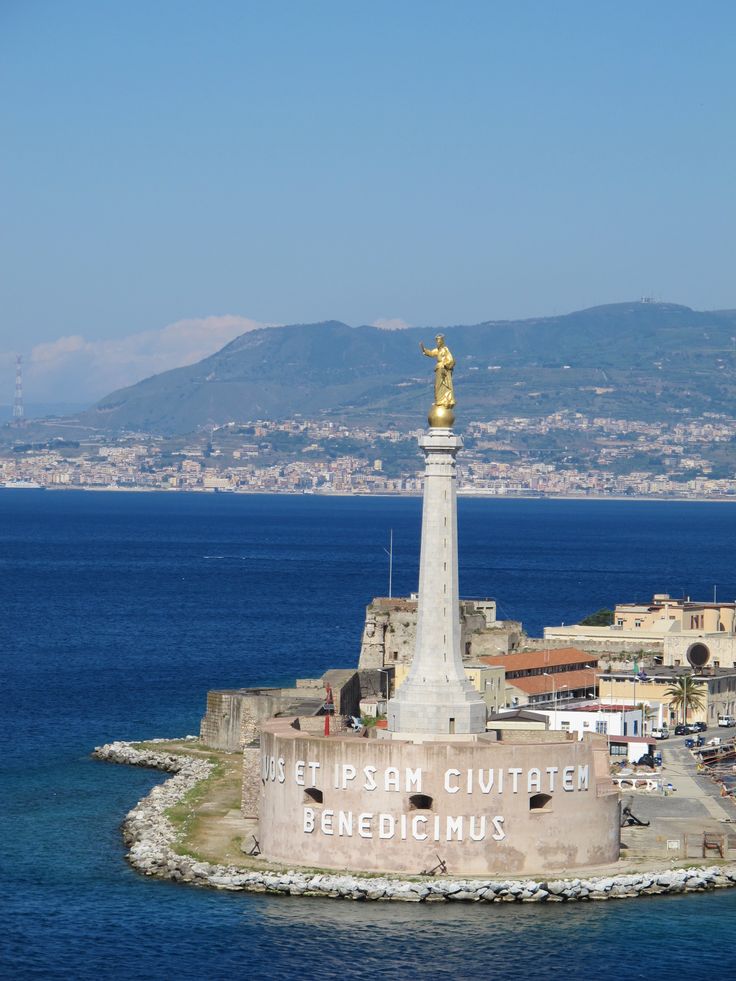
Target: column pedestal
{"x":437,"y":698}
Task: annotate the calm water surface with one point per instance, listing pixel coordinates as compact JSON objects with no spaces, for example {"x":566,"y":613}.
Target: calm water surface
{"x":120,"y":610}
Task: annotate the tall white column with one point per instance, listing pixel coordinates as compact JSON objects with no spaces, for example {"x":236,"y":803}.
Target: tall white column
{"x":437,"y":698}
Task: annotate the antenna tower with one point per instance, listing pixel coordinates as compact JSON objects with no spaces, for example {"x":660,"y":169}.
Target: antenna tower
{"x":18,"y":413}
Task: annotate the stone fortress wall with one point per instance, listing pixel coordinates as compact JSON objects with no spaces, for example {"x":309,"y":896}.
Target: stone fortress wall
{"x":484,"y":806}
{"x":234,"y":716}
{"x":390,"y":631}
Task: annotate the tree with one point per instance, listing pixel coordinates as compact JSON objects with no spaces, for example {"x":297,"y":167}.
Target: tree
{"x":601,"y":618}
{"x":685,"y":692}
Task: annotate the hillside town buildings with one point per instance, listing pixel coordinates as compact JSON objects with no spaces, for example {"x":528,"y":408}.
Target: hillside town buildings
{"x":561,"y":454}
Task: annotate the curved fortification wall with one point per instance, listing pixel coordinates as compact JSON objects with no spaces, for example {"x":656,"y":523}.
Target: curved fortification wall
{"x":481,"y":807}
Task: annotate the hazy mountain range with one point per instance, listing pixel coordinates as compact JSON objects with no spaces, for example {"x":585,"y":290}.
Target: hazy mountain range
{"x":635,"y":360}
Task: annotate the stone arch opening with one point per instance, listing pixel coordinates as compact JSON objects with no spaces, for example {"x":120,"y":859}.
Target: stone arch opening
{"x":420,"y":802}
{"x":540,"y":802}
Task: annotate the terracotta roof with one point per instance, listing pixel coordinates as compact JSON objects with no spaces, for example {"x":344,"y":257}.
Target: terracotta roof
{"x":539,"y":684}
{"x":542,"y":659}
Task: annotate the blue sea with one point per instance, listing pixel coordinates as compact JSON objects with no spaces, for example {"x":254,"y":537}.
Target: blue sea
{"x":119,"y":611}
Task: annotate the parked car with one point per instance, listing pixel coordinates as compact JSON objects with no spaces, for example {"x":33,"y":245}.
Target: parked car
{"x":700,"y":727}
{"x":726,"y":721}
{"x":662,"y":733}
{"x":681,"y":730}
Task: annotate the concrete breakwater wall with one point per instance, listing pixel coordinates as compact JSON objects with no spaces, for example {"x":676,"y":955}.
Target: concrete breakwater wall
{"x":152,"y":838}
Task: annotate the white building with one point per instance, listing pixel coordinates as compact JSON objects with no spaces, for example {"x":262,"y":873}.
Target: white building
{"x":608,"y":721}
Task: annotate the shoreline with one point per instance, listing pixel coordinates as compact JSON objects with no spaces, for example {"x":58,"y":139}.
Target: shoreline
{"x":152,"y":842}
{"x":464,"y":493}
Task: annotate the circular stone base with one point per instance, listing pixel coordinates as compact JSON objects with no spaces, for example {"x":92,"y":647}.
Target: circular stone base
{"x":441,"y":417}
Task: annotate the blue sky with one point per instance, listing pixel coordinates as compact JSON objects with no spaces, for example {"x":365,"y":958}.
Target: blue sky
{"x":221,"y":165}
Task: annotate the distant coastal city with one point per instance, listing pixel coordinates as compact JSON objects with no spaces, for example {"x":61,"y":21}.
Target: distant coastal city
{"x":562,"y":454}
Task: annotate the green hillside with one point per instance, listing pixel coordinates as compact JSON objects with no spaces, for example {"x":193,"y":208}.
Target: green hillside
{"x":631,"y":360}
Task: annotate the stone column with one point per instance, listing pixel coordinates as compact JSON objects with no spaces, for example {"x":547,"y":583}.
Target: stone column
{"x":437,"y":698}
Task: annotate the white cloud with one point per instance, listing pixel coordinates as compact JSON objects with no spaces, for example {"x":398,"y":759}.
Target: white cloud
{"x":73,"y":368}
{"x":390,"y":323}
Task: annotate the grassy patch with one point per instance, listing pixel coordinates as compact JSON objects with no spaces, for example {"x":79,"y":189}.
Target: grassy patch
{"x":184,"y":815}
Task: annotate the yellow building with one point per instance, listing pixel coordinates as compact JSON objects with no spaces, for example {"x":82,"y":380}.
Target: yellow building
{"x":626,"y":688}
{"x":681,"y":631}
{"x":665,"y":614}
{"x":489,"y":680}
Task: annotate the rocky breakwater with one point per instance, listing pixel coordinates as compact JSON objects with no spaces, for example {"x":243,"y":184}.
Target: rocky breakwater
{"x":147,"y":831}
{"x":152,"y":841}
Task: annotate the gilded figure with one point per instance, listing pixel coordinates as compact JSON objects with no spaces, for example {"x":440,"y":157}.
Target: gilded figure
{"x":444,"y":394}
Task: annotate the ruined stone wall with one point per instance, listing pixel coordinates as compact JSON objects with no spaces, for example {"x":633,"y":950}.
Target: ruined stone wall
{"x":234,"y":717}
{"x":221,"y":725}
{"x":390,"y":628}
{"x":345,"y":691}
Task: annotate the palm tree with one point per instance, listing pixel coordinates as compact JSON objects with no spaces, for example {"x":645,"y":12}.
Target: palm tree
{"x":685,"y":693}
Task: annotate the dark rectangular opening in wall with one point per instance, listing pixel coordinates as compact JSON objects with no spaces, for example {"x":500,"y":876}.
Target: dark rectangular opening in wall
{"x":420,"y":802}
{"x":540,"y":802}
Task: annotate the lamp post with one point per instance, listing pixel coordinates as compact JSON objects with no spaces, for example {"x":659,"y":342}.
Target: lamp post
{"x":547,"y":674}
{"x":634,"y":706}
{"x":554,"y":714}
{"x":558,"y":694}
{"x":608,"y":728}
{"x":390,"y":552}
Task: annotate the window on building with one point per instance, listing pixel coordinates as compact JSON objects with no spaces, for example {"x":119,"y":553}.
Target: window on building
{"x":601,"y":727}
{"x":565,"y":726}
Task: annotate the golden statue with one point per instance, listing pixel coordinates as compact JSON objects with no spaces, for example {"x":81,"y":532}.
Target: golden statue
{"x":441,"y":414}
